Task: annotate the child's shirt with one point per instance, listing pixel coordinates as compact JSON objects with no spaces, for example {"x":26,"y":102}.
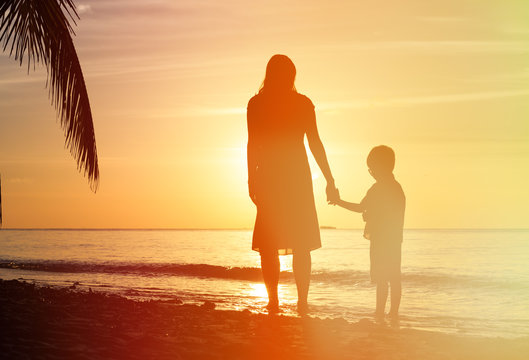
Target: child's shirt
{"x":384,"y":206}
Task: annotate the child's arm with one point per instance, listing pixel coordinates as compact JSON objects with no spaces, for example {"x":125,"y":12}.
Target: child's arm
{"x":347,"y":205}
{"x":350,"y":206}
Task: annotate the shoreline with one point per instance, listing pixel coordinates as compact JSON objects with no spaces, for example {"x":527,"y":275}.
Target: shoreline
{"x":60,"y":323}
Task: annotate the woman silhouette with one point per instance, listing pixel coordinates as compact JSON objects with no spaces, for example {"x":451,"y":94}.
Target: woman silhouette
{"x":279,"y":177}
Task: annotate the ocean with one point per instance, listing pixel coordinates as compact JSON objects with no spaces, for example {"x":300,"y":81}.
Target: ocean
{"x":472,"y":282}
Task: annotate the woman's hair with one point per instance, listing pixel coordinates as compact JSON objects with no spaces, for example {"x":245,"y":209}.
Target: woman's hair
{"x":280,"y":75}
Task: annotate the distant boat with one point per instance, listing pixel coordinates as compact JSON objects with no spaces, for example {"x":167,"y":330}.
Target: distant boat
{"x":327,"y":227}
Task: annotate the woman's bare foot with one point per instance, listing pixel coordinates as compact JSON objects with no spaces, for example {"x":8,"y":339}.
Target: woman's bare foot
{"x":379,"y":316}
{"x":303,"y":308}
{"x":393,"y":315}
{"x":272,"y":307}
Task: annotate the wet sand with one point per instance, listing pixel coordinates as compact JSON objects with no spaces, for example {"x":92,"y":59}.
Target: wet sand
{"x":58,"y":323}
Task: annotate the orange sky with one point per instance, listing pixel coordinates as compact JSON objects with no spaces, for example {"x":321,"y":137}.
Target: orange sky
{"x":445,"y":83}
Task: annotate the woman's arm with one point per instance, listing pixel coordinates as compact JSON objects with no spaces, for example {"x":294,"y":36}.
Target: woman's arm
{"x":251,"y":155}
{"x":317,"y":149}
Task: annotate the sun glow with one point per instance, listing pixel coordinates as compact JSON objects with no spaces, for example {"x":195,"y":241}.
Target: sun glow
{"x":285,"y":263}
{"x":258,"y":291}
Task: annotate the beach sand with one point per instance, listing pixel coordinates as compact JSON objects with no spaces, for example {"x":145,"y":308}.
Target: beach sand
{"x":60,"y":323}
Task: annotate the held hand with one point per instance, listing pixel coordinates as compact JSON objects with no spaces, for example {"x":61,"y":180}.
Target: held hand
{"x":333,"y":196}
{"x":336,"y":200}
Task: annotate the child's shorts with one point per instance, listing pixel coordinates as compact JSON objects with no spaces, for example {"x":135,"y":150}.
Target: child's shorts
{"x":385,"y":259}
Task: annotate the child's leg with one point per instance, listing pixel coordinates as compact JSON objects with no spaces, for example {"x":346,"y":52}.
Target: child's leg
{"x":270,"y":268}
{"x":301,"y":263}
{"x":382,"y":296}
{"x":396,"y":292}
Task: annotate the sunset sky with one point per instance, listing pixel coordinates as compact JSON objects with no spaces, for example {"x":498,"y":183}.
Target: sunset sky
{"x":444,"y":82}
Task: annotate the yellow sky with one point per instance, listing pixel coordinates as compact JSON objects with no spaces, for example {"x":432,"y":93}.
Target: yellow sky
{"x":445,"y":83}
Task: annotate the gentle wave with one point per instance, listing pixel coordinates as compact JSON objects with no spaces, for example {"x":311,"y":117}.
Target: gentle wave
{"x":337,"y":277}
{"x":164,"y":269}
{"x":151,"y":269}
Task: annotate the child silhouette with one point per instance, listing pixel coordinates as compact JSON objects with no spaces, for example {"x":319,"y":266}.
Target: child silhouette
{"x":383,"y":211}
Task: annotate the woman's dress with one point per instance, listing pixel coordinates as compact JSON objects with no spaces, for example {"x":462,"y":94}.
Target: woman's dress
{"x":286,"y":219}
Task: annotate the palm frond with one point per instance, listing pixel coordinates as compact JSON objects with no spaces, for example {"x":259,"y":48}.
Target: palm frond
{"x":40,"y":30}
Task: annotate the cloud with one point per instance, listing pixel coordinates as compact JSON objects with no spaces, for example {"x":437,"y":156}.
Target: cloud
{"x":140,"y":9}
{"x":19,"y":180}
{"x":84,"y":9}
{"x":422,"y":100}
{"x":452,"y":46}
{"x":442,"y":19}
{"x":192,"y":111}
{"x":515,"y":30}
{"x":478,"y":96}
{"x":22,"y":80}
{"x":224,"y":111}
{"x":518,"y":77}
{"x":374,"y":103}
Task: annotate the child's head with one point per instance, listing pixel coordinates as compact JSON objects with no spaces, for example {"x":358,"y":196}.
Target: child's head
{"x":381,"y":161}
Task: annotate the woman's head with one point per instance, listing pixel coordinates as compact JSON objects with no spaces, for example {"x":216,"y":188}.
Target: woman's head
{"x":280,"y":75}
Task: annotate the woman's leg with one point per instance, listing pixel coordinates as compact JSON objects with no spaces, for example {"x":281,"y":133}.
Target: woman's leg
{"x":382,"y":296}
{"x":302,"y":267}
{"x":270,"y":269}
{"x":396,"y":292}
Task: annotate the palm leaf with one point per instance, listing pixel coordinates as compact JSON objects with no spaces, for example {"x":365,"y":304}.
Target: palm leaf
{"x":40,"y":30}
